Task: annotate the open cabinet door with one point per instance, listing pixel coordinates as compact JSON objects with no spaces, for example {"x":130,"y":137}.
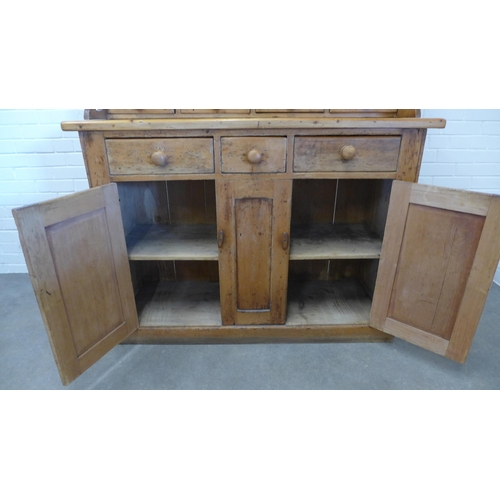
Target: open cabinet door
{"x":440,"y":252}
{"x":77,"y":259}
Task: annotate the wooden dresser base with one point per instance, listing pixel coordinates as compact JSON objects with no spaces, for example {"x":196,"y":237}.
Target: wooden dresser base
{"x":253,"y":335}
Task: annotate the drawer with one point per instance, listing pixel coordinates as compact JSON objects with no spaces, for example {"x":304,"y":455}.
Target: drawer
{"x":160,"y":156}
{"x":249,"y":155}
{"x":346,"y":154}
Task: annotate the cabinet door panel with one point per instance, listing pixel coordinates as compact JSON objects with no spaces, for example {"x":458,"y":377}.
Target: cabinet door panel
{"x":76,"y":255}
{"x":439,"y":256}
{"x":253,"y":258}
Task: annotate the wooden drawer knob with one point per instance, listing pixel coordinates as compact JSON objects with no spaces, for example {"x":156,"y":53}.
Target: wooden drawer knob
{"x":254,"y":156}
{"x":159,"y":158}
{"x":348,"y":152}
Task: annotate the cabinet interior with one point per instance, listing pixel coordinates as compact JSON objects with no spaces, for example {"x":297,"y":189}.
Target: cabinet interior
{"x":337,"y":228}
{"x":336,"y":233}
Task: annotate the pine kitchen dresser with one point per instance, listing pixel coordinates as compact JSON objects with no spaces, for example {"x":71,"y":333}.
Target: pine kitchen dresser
{"x":250,"y":225}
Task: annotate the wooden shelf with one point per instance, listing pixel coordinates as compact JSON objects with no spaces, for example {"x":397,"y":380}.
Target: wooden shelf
{"x":330,"y":241}
{"x":343,"y":302}
{"x":184,"y":303}
{"x":173,"y":242}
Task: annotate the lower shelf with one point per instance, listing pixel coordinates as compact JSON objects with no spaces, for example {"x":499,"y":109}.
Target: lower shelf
{"x":197,"y":304}
{"x":343,"y":302}
{"x":179,"y":303}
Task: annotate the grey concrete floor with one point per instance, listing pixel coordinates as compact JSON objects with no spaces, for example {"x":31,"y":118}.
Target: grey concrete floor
{"x":26,"y":360}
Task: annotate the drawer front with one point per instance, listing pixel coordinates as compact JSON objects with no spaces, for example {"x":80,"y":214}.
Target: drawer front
{"x":249,"y":155}
{"x":160,"y":156}
{"x":346,"y":154}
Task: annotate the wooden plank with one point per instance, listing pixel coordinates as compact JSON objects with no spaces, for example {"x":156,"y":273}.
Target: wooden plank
{"x":233,"y":197}
{"x":253,"y":226}
{"x":173,"y":242}
{"x":434,"y":263}
{"x":325,"y":154}
{"x":251,"y":123}
{"x":214,"y":111}
{"x":80,"y":274}
{"x":342,"y":302}
{"x":313,"y":201}
{"x":235,"y":152}
{"x":180,"y":156}
{"x":185,"y":303}
{"x":396,"y":221}
{"x":457,"y":200}
{"x":329,"y":241}
{"x":95,"y":158}
{"x":410,"y":155}
{"x":191,"y":202}
{"x":415,"y":336}
{"x":478,"y":285}
{"x":257,"y":334}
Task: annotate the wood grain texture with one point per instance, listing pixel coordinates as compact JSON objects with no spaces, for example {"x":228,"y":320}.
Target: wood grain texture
{"x":95,"y":158}
{"x":329,"y":241}
{"x":234,"y":154}
{"x":437,"y":267}
{"x":410,"y":155}
{"x":342,"y":302}
{"x":173,"y":242}
{"x":436,"y":257}
{"x":269,"y":214}
{"x":80,"y":274}
{"x":478,"y":285}
{"x":263,"y":123}
{"x":324,"y":154}
{"x":396,"y":220}
{"x":129,"y":156}
{"x":257,"y":334}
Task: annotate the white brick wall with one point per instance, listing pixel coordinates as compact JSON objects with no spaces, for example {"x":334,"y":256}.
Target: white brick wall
{"x":39,"y":161}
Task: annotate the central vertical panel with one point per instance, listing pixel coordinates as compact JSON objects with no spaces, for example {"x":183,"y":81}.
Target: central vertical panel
{"x":253,"y":253}
{"x":253,"y":219}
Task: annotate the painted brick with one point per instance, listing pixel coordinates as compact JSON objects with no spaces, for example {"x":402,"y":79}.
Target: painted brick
{"x":11,"y":258}
{"x":439,"y":169}
{"x":34,"y":146}
{"x":41,"y":131}
{"x":10,"y":200}
{"x":482,"y":114}
{"x":9,"y":236}
{"x":18,"y":187}
{"x":7,"y":223}
{"x":59,"y":115}
{"x":55,"y":186}
{"x":468,"y":142}
{"x":437,"y":142}
{"x":13,"y":161}
{"x":425,"y":180}
{"x":7,"y":147}
{"x":18,"y":116}
{"x":486,"y":182}
{"x":47,"y":160}
{"x":74,"y":159}
{"x":68,"y":173}
{"x":491,"y":128}
{"x":10,"y":248}
{"x":429,"y":156}
{"x":7,"y":174}
{"x":493,"y":142}
{"x":11,"y":132}
{"x":447,"y":114}
{"x":30,"y":198}
{"x":63,"y":145}
{"x":463,"y":128}
{"x":81,"y":185}
{"x":457,"y":156}
{"x":16,"y":268}
{"x":40,"y":173}
{"x":481,"y":169}
{"x":453,"y":182}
